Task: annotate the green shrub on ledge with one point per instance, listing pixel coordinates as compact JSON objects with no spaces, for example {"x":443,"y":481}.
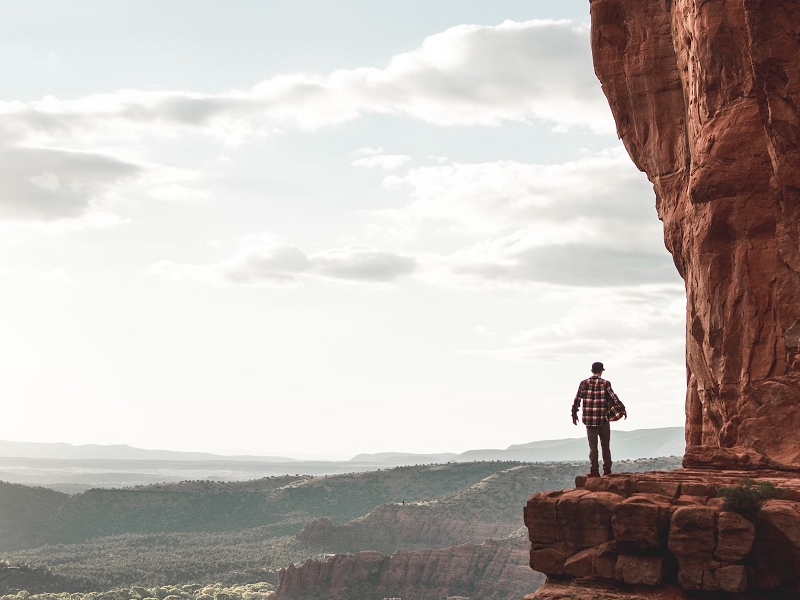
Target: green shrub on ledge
{"x":747,"y":497}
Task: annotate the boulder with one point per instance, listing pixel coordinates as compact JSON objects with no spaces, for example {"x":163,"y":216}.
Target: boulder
{"x":698,"y":489}
{"x":605,"y":561}
{"x":581,"y":564}
{"x":548,"y":561}
{"x":585,"y":519}
{"x":622,"y":486}
{"x":640,"y":570}
{"x":540,"y":519}
{"x":692,"y":540}
{"x":640,"y":523}
{"x":730,"y":578}
{"x":690,"y":578}
{"x":777,"y":544}
{"x":668,"y":489}
{"x":735,"y":536}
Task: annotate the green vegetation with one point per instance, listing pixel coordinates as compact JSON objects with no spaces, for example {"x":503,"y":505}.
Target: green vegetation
{"x":214,"y":591}
{"x":199,"y":532}
{"x":284,"y":503}
{"x":202,"y":531}
{"x":25,"y":511}
{"x":232,"y":557}
{"x":490,"y":507}
{"x":747,"y":497}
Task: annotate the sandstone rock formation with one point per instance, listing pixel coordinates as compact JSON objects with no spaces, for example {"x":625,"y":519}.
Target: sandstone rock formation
{"x":393,"y":527}
{"x":705,"y":94}
{"x":455,"y":523}
{"x":487,"y":509}
{"x":492,"y":570}
{"x":667,"y":531}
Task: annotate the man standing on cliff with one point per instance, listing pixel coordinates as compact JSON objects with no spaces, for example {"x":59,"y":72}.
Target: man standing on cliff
{"x":600,"y":406}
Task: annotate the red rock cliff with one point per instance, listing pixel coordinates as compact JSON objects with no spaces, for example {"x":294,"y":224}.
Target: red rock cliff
{"x":494,"y":570}
{"x":665,"y":535}
{"x":705,"y":94}
{"x":393,"y":527}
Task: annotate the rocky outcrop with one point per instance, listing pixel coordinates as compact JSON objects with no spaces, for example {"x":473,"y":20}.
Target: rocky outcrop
{"x":493,"y":570}
{"x":602,"y":590}
{"x":409,"y":527}
{"x":488,"y":509}
{"x":668,"y":530}
{"x":316,"y":531}
{"x":705,"y":94}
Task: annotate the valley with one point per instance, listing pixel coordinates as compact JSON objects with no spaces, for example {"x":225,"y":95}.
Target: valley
{"x":239,"y":533}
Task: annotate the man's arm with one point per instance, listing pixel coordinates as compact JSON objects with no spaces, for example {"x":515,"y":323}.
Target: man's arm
{"x":615,"y":399}
{"x":576,"y":404}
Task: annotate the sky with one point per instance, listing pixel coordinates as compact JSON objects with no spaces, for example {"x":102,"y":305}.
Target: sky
{"x":320,"y":228}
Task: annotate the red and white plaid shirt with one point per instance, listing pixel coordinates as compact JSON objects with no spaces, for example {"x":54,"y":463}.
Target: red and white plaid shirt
{"x":597,"y":395}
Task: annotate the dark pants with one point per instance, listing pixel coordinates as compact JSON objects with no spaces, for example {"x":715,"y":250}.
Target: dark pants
{"x":604,"y":433}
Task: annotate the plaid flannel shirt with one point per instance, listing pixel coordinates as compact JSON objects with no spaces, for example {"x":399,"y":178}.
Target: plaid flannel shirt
{"x":597,"y":397}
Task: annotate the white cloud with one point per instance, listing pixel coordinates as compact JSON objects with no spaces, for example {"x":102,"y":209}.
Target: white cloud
{"x":47,"y":279}
{"x":68,"y":190}
{"x":366,"y":151}
{"x":263,"y":262}
{"x":484,"y":331}
{"x":634,"y":327}
{"x":371,"y":158}
{"x":19,"y":231}
{"x":484,"y":198}
{"x":46,"y":181}
{"x":48,"y":184}
{"x":466,"y":75}
{"x":362,"y":263}
{"x":387,"y":162}
{"x":521,"y":259}
{"x":587,"y":223}
{"x":260,"y":262}
{"x":174,"y":192}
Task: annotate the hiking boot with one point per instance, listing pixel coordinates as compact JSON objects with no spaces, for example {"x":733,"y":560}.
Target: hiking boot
{"x":593,"y":474}
{"x":606,"y":471}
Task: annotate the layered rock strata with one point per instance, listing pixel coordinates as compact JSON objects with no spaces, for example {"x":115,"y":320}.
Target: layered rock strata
{"x":493,"y":570}
{"x":705,"y":94}
{"x":391,"y":527}
{"x":666,"y":531}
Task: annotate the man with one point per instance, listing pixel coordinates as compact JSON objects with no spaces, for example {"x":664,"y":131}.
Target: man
{"x":598,"y":401}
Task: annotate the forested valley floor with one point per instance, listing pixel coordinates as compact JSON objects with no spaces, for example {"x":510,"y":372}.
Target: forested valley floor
{"x":233,"y":535}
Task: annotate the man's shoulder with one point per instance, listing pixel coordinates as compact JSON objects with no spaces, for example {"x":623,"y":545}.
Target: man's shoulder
{"x":594,"y":381}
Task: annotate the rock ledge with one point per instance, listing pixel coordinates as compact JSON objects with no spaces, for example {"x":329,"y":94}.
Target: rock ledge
{"x":667,"y":531}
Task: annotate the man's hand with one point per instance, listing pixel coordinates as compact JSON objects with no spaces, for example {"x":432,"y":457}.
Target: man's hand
{"x":574,"y":420}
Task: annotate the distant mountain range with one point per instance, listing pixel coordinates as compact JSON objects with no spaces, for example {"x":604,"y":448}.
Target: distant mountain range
{"x":406,"y":458}
{"x":640,"y":443}
{"x":61,"y":450}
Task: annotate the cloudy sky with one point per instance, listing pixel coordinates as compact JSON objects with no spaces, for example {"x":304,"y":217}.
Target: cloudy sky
{"x":320,"y":227}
